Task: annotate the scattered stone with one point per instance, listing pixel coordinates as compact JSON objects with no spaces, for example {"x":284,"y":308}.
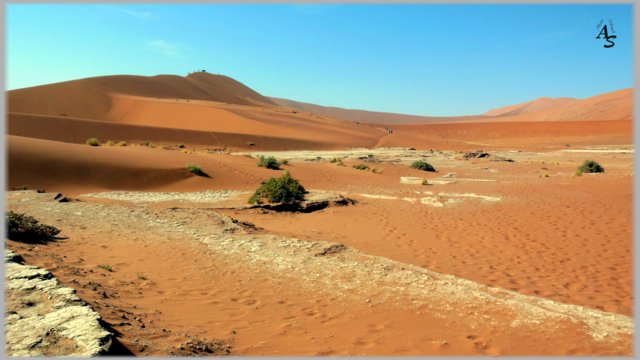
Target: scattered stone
{"x":12,"y":257}
{"x":198,"y":346}
{"x":333,"y":249}
{"x":477,"y":154}
{"x":247,"y":226}
{"x":63,"y":199}
{"x":501,"y":158}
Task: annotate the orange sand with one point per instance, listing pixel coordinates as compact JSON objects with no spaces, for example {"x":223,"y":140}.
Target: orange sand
{"x":560,"y":237}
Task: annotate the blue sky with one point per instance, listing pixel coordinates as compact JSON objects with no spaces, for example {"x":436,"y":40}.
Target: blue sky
{"x":423,"y":59}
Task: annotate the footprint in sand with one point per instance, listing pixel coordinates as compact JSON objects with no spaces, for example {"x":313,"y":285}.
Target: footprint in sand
{"x":483,"y":346}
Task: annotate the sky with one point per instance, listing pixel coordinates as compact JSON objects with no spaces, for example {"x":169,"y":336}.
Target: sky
{"x":422,"y":59}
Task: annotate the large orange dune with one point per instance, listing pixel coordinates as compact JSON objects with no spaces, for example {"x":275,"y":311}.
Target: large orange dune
{"x":201,"y":109}
{"x":91,"y":98}
{"x":615,"y":105}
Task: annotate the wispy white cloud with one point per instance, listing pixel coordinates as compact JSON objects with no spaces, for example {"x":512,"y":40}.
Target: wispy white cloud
{"x":314,"y":8}
{"x":138,"y":14}
{"x":165,"y":48}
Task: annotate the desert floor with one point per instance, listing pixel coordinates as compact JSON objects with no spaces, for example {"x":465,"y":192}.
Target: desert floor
{"x":490,"y":257}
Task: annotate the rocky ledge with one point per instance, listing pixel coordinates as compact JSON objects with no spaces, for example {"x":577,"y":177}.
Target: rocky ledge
{"x":45,"y":318}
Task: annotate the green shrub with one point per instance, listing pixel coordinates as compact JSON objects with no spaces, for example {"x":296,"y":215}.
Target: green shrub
{"x":578,"y":173}
{"x":361,"y":167}
{"x":283,"y":189}
{"x":93,"y":142}
{"x":333,"y":160}
{"x":424,"y":166}
{"x":284,"y":162}
{"x":425,"y":182}
{"x":106,"y":267}
{"x":590,"y":166}
{"x":27,"y":229}
{"x":181,"y":146}
{"x":269,"y":162}
{"x":196,"y":170}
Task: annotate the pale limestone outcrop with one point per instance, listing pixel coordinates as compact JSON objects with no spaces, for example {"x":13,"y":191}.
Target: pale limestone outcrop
{"x":45,"y":318}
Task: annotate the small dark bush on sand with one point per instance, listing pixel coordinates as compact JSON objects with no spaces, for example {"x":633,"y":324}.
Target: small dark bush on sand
{"x":25,"y":228}
{"x":424,"y":166}
{"x":590,"y":166}
{"x":197,"y":170}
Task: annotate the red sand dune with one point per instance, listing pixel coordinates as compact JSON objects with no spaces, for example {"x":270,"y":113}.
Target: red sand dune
{"x":91,"y":98}
{"x":539,"y":104}
{"x":199,"y":109}
{"x":213,"y":110}
{"x":616,"y":105}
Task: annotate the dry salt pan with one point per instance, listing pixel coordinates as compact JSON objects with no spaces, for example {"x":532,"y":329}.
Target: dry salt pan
{"x":144,"y":196}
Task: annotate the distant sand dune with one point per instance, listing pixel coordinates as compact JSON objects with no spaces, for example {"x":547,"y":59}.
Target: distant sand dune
{"x":539,"y":104}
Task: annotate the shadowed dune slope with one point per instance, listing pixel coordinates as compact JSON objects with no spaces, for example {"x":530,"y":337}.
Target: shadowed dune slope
{"x":74,"y":168}
{"x":370,"y":117}
{"x":76,"y":130}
